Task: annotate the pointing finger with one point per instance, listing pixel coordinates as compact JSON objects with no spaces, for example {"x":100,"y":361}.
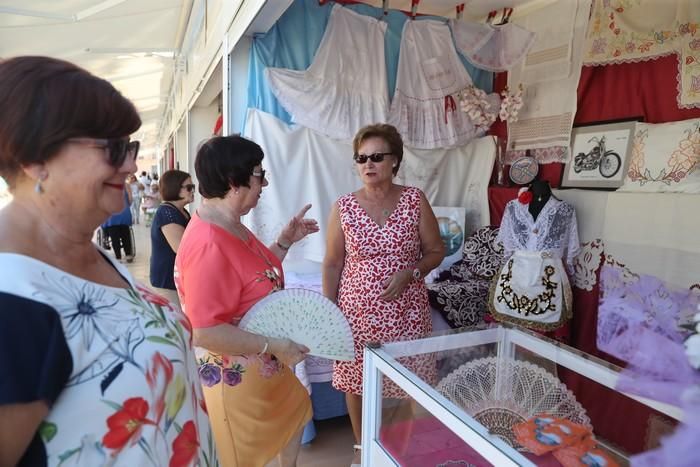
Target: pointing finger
{"x":303,"y":212}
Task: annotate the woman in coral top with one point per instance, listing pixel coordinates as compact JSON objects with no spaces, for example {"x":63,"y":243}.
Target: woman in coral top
{"x":257,"y":406}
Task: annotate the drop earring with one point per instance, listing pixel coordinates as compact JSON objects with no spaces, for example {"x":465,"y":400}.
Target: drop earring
{"x":37,"y":187}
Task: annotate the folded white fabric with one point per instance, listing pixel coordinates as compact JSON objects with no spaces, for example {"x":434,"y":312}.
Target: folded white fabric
{"x":547,"y":115}
{"x":430,"y":76}
{"x":345,"y":88}
{"x":551,"y":55}
{"x":492,"y":47}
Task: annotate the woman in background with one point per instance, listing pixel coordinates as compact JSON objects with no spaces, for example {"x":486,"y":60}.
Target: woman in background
{"x":168,"y":226}
{"x":136,"y":190}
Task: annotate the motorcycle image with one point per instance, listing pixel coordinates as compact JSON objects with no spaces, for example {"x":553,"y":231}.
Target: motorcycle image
{"x":607,"y":162}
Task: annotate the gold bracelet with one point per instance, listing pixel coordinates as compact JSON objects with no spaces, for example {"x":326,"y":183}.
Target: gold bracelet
{"x":267,"y":344}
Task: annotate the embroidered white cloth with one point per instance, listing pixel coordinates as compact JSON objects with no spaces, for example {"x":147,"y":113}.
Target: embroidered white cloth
{"x":430,"y":75}
{"x":345,"y":88}
{"x":623,"y":32}
{"x":554,"y":232}
{"x":532,"y":290}
{"x":547,"y":115}
{"x":307,"y":167}
{"x":665,"y":158}
{"x":492,"y":47}
{"x":550,"y":57}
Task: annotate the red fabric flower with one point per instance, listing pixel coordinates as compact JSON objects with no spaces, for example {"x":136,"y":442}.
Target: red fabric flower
{"x":525,"y":197}
{"x":151,"y":297}
{"x":203,"y":406}
{"x":126,"y":423}
{"x":158,"y":377}
{"x":185,"y":446}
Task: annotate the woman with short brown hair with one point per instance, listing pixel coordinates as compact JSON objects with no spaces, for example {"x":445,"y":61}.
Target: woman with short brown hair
{"x":94,"y":369}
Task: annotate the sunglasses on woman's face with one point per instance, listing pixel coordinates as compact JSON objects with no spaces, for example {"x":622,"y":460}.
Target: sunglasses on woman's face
{"x":260,"y":174}
{"x":189,"y":187}
{"x":118,"y":149}
{"x":376,"y":157}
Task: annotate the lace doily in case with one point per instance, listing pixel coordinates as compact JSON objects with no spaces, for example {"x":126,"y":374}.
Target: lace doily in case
{"x":523,"y":391}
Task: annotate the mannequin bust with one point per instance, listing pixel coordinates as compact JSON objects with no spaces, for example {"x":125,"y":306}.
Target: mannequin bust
{"x":541,"y":192}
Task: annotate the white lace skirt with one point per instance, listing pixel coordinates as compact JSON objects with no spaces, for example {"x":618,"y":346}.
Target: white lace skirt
{"x":345,"y":88}
{"x":532,"y":290}
{"x":425,"y":108}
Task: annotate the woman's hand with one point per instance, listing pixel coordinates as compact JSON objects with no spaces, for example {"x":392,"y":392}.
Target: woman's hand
{"x":298,"y":227}
{"x":395,"y":285}
{"x":288,"y":352}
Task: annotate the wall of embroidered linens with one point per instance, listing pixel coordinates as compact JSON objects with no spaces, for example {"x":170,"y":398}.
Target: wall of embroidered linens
{"x":348,"y":69}
{"x":639,"y":59}
{"x":285,"y":47}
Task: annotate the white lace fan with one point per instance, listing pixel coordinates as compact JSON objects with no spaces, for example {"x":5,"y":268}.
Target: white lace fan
{"x":306,"y":317}
{"x":523,"y":391}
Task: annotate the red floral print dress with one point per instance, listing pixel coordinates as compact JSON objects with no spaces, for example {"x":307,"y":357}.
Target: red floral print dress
{"x":372,"y":254}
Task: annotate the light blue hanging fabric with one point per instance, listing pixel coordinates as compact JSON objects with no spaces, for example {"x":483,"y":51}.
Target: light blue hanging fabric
{"x":292,"y":43}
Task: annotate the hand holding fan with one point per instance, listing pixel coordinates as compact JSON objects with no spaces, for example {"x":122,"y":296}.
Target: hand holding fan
{"x":305,"y":317}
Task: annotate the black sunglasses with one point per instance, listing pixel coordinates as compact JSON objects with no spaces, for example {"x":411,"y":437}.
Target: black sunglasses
{"x":117,"y":148}
{"x":189,"y":187}
{"x":260,"y":174}
{"x":376,"y":157}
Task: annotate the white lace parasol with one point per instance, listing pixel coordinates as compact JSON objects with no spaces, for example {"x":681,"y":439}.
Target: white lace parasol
{"x":500,"y":393}
{"x":307,"y":318}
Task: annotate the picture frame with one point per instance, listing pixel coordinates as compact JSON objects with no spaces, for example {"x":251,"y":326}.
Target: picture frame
{"x":600,"y":155}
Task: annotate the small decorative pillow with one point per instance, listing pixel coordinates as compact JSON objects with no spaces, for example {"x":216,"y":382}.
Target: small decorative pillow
{"x":481,"y":255}
{"x":665,"y":158}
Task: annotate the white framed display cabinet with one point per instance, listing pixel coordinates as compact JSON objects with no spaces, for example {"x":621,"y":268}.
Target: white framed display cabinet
{"x":430,"y":423}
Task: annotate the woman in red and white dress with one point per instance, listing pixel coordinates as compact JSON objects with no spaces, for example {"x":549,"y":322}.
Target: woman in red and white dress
{"x":382,"y":240}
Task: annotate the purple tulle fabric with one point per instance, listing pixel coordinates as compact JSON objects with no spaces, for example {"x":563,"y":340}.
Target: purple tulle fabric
{"x":638,"y":322}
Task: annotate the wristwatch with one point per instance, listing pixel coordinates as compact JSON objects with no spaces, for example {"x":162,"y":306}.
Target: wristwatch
{"x":417,"y":274}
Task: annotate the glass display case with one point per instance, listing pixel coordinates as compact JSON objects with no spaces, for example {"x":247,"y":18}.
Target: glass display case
{"x":452,"y":400}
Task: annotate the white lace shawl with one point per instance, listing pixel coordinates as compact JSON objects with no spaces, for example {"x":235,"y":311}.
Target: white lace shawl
{"x":555,"y":231}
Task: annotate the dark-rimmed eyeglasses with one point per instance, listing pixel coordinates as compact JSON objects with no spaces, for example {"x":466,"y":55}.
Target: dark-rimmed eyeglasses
{"x":118,"y":149}
{"x":376,"y":157}
{"x":189,"y":187}
{"x":260,"y":174}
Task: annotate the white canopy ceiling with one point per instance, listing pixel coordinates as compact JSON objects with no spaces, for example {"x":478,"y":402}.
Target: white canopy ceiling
{"x":128,"y":42}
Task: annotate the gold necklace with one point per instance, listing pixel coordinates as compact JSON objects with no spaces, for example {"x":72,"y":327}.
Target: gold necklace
{"x":276,"y":272}
{"x":232,"y":226}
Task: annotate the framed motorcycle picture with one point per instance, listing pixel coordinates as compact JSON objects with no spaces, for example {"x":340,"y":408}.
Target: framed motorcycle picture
{"x":600,"y":155}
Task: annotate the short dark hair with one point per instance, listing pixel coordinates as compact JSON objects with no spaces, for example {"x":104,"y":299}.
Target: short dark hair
{"x":45,"y":101}
{"x":171,"y":183}
{"x":388,"y":133}
{"x":223,"y":161}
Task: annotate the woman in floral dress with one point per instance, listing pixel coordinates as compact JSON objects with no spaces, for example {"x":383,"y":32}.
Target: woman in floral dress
{"x":382,"y":240}
{"x":94,"y":369}
{"x":258,"y":407}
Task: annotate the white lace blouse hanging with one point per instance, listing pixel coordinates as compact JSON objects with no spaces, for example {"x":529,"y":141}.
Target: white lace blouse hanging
{"x":554,"y":231}
{"x":533,"y":288}
{"x":492,"y":47}
{"x":430,"y":76}
{"x":345,"y":88}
